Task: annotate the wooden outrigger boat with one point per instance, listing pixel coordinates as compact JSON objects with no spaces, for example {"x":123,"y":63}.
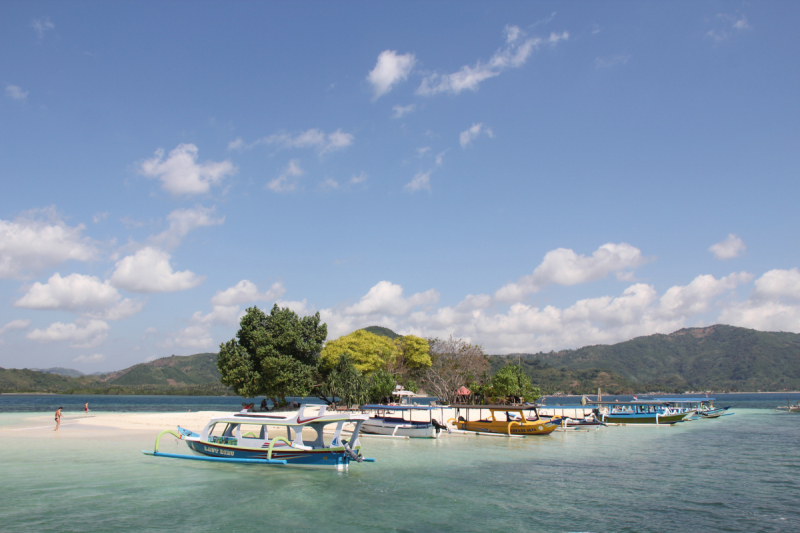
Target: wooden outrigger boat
{"x":572,"y":416}
{"x":789,"y":407}
{"x":638,"y":412}
{"x":390,"y":420}
{"x":695,"y":407}
{"x":505,"y":420}
{"x":254,"y":438}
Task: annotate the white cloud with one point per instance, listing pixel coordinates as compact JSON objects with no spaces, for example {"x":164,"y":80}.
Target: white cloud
{"x":564,"y":267}
{"x":39,"y":239}
{"x":301,"y":307}
{"x":81,"y":334}
{"x":361,"y":178}
{"x":390,"y":69}
{"x":79,"y":293}
{"x":95,"y":358}
{"x":287,"y":181}
{"x":778,"y":284}
{"x":697,"y":297}
{"x":181,"y":174}
{"x":100,"y":217}
{"x":182,"y":221}
{"x":148,"y":270}
{"x":387,"y":298}
{"x":194,"y":337}
{"x":246,"y":291}
{"x":514,"y":55}
{"x":21,"y":323}
{"x":229,"y":315}
{"x":15,"y":92}
{"x":472,"y":133}
{"x":40,"y":26}
{"x":422,"y":180}
{"x":731,"y":247}
{"x":313,"y":138}
{"x":399,"y":111}
{"x":638,"y":310}
{"x":773,"y":305}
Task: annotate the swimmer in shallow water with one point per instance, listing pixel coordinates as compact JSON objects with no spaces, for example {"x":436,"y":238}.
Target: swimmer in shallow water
{"x":58,"y":418}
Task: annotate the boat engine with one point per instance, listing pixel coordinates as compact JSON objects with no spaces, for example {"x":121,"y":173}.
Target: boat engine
{"x":439,"y":427}
{"x":357,"y":457}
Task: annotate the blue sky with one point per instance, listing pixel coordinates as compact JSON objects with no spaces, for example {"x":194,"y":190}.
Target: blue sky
{"x":529,"y":176}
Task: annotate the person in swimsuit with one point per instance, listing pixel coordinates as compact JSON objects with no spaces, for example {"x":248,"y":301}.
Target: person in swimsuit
{"x":86,"y":408}
{"x":58,"y":418}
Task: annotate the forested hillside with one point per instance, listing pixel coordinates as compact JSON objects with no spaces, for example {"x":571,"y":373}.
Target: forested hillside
{"x":716,"y":357}
{"x":190,"y":375}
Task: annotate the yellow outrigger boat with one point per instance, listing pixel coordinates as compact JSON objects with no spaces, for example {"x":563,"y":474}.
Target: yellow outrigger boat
{"x":505,"y":420}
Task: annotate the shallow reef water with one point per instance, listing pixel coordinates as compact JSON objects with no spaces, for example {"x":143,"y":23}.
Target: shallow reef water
{"x":735,"y":473}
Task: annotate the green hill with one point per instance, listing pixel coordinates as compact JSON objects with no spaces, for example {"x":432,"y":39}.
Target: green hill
{"x":185,"y":375}
{"x":25,"y":380}
{"x":69,"y":372}
{"x":716,"y":357}
{"x":384,"y":332}
{"x":198,"y":369}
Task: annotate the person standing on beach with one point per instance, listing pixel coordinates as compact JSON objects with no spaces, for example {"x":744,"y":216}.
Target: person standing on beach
{"x":58,"y":418}
{"x":86,"y":408}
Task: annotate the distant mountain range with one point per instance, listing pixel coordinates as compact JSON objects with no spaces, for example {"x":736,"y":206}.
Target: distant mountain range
{"x":69,"y":372}
{"x":711,"y":358}
{"x":191,"y":375}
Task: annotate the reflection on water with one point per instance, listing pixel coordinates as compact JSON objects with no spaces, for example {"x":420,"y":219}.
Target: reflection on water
{"x":737,"y":473}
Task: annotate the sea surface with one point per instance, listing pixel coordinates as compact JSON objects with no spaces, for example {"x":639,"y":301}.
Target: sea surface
{"x":36,"y":403}
{"x":734,"y":473}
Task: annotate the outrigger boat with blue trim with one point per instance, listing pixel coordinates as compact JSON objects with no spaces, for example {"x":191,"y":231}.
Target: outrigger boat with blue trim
{"x":695,"y":407}
{"x":254,"y":438}
{"x":638,"y":412}
{"x":390,"y":420}
{"x":508,"y":420}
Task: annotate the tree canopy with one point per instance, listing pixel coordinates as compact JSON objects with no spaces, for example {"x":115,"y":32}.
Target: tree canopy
{"x":415,"y":351}
{"x":274,"y":355}
{"x":454,"y":364}
{"x":368,"y":352}
{"x":509,"y":384}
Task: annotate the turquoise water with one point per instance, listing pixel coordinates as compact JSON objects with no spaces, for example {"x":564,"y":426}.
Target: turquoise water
{"x":736,"y":473}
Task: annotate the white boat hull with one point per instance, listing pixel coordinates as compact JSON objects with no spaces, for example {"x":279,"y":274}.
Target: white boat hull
{"x":378,"y":426}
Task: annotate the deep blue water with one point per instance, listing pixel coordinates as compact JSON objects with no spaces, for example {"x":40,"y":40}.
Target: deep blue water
{"x":20,"y":403}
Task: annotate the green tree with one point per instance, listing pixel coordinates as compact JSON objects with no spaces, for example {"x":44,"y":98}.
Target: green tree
{"x":415,"y":352}
{"x":455,"y":363}
{"x":368,"y":352}
{"x":274,"y":355}
{"x":510,"y":383}
{"x":381,"y":385}
{"x":345,"y":382}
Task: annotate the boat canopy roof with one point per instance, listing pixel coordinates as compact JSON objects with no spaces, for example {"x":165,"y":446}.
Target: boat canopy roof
{"x":556,"y":407}
{"x":376,"y":407}
{"x":497,"y":407}
{"x":633,"y":402}
{"x":289,"y":419}
{"x":684,"y":400}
